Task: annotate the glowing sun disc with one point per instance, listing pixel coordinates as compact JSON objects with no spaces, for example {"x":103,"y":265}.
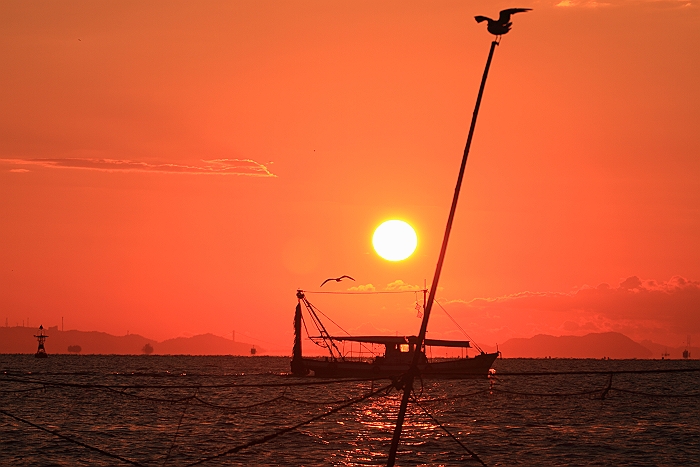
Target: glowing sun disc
{"x":394,"y":240}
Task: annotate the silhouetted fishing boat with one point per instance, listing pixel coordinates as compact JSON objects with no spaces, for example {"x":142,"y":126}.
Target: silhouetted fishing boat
{"x":394,"y":361}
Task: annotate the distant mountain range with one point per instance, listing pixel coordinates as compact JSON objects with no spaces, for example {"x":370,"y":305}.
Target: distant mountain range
{"x":21,"y":340}
{"x":594,"y":345}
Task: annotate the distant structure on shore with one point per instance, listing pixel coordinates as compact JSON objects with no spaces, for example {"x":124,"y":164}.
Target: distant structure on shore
{"x":21,"y":340}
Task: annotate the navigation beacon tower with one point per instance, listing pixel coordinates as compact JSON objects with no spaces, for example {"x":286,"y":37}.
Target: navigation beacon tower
{"x":41,"y":351}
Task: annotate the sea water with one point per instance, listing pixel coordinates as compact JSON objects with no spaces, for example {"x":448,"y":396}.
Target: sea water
{"x":181,"y":410}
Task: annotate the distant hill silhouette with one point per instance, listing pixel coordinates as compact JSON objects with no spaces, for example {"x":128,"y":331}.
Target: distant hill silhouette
{"x":203,"y":344}
{"x":594,"y":345}
{"x":21,"y":340}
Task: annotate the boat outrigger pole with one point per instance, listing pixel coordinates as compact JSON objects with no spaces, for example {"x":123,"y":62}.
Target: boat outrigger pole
{"x":406,"y":382}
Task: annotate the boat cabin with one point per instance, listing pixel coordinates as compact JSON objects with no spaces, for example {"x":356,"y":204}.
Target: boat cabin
{"x":399,"y":349}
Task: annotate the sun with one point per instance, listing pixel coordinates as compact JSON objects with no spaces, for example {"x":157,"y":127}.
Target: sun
{"x":394,"y":240}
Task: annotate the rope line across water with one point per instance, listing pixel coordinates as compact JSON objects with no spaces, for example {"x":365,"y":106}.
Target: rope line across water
{"x":283,"y":431}
{"x":444,"y":428}
{"x":71,"y":440}
{"x":189,"y":386}
{"x":42,"y":385}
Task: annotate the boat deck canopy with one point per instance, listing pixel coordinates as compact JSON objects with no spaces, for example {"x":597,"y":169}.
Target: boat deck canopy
{"x":444,"y":343}
{"x":397,"y":340}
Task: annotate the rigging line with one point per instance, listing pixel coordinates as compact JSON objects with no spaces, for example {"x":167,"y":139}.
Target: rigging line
{"x":607,"y":388}
{"x":322,"y":329}
{"x":283,"y":431}
{"x":316,"y":402}
{"x":598,"y":372}
{"x":420,"y":394}
{"x":376,"y":292}
{"x":307,"y":329}
{"x":195,"y":386}
{"x":179,"y":424}
{"x":317,"y":322}
{"x":460,"y":327}
{"x":300,"y":401}
{"x":435,"y":420}
{"x":23,"y":390}
{"x":237,"y":408}
{"x":329,"y":319}
{"x":327,"y":342}
{"x":449,"y":398}
{"x":647,"y":394}
{"x":310,"y":312}
{"x":152,"y":399}
{"x":139,"y":375}
{"x":308,"y":335}
{"x":48,"y":373}
{"x":554,"y":394}
{"x":72,"y":412}
{"x":74,"y":441}
{"x":362,"y":345}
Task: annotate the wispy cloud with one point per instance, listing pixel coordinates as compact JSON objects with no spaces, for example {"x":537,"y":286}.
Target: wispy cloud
{"x":401,"y":285}
{"x":245,"y":167}
{"x":581,"y":3}
{"x":396,"y":286}
{"x":363,"y":288}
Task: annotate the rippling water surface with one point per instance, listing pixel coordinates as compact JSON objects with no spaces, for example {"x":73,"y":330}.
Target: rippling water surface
{"x":180,"y":410}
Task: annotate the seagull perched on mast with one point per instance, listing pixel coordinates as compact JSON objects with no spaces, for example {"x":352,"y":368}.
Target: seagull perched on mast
{"x":502,"y":24}
{"x":337,"y":279}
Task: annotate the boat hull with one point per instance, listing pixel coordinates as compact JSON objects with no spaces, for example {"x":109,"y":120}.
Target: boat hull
{"x":476,"y":367}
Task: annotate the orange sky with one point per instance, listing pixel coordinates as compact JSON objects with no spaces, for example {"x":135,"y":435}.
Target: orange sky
{"x":175,"y":168}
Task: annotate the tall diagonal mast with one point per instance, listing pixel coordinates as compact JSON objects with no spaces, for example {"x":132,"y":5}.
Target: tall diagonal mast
{"x":407,"y":381}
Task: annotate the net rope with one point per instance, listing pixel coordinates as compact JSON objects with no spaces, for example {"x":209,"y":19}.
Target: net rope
{"x":497,"y":384}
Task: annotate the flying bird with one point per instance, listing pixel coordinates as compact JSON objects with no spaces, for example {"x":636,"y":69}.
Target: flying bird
{"x":337,"y":279}
{"x":502,"y":25}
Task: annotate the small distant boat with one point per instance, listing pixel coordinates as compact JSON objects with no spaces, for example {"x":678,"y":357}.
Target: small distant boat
{"x":395,"y":361}
{"x":41,"y":351}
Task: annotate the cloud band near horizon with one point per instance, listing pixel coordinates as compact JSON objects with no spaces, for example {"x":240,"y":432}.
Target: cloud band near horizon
{"x":641,"y":309}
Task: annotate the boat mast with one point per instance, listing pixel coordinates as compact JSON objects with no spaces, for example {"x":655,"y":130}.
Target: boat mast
{"x":407,"y":381}
{"x":298,"y":367}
